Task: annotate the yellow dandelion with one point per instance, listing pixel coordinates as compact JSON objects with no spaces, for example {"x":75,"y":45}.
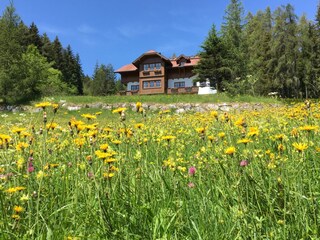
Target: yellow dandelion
{"x":300,"y":146}
{"x":16,"y":217}
{"x":18,"y":209}
{"x":119,"y":110}
{"x":43,"y":105}
{"x":116,"y":142}
{"x":221,"y":134}
{"x":52,"y":125}
{"x":18,"y":130}
{"x":230,"y":150}
{"x":244,"y":141}
{"x":139,"y":125}
{"x":88,"y":116}
{"x":108,"y":175}
{"x":168,"y":138}
{"x":104,"y":146}
{"x":308,"y":128}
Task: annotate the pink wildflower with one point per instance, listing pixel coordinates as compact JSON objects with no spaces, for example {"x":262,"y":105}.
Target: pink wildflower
{"x":243,"y":163}
{"x":192,"y":170}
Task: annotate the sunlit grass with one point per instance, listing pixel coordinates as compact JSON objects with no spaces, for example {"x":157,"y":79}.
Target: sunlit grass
{"x":179,"y":98}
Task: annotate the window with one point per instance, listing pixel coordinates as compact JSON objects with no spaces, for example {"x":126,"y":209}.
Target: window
{"x":158,"y":66}
{"x":134,"y":87}
{"x":152,"y":84}
{"x":151,"y":66}
{"x":182,"y":63}
{"x":145,"y":67}
{"x":179,"y":84}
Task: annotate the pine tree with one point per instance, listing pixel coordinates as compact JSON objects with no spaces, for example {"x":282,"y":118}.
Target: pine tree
{"x":211,"y":61}
{"x":33,"y":36}
{"x":47,"y":48}
{"x":232,"y":37}
{"x":258,"y":33}
{"x":10,"y":52}
{"x":285,"y":52}
{"x":103,"y":80}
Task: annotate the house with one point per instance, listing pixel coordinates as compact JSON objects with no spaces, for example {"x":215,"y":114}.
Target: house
{"x":153,"y":73}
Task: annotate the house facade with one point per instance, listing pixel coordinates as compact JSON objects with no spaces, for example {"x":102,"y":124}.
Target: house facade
{"x":153,"y":73}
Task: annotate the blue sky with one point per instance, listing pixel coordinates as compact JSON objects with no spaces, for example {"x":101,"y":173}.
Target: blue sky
{"x":117,"y":32}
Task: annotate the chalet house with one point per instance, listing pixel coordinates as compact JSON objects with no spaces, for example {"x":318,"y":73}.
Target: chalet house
{"x":153,"y":73}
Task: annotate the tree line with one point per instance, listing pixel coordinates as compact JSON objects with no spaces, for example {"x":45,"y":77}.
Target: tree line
{"x":33,"y":66}
{"x":263,"y":53}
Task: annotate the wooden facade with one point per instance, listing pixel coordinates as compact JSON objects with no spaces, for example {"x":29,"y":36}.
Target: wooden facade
{"x":153,"y":73}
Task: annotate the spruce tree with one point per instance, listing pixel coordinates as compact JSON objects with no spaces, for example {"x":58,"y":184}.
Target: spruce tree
{"x":232,"y":37}
{"x":210,"y":65}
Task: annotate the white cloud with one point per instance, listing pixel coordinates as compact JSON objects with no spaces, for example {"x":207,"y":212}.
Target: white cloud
{"x":86,"y":29}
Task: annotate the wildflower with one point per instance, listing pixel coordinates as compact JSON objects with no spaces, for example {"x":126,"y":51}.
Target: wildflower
{"x":280,"y":222}
{"x":24,"y":198}
{"x":79,"y":142}
{"x":119,"y":110}
{"x":281,"y":147}
{"x":191,"y":185}
{"x":102,"y":155}
{"x":52,"y":126}
{"x":43,"y":105}
{"x":244,"y":163}
{"x":214,"y":114}
{"x":168,"y":138}
{"x":21,"y":146}
{"x":182,"y":169}
{"x":18,"y":209}
{"x":294,"y":132}
{"x":230,"y":150}
{"x":104,"y":146}
{"x":139,"y":125}
{"x":116,"y":142}
{"x":253,"y":131}
{"x":308,"y":128}
{"x":17,"y":130}
{"x":192,"y":170}
{"x":5,"y":138}
{"x":14,"y":189}
{"x":16,"y":217}
{"x":221,"y":135}
{"x":41,"y":175}
{"x":88,"y":116}
{"x":55,"y":107}
{"x":244,"y":141}
{"x":138,"y":106}
{"x":108,"y":175}
{"x":300,"y":146}
{"x":201,"y":130}
{"x":241,"y":122}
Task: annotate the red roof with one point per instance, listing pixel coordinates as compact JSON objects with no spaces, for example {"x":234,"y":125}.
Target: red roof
{"x":127,"y":68}
{"x":192,"y":61}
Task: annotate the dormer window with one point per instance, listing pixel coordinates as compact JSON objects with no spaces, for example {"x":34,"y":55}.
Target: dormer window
{"x":146,"y":67}
{"x":182,"y":63}
{"x":158,"y":66}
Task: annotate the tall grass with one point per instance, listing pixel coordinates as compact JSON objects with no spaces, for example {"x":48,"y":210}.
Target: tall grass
{"x":206,"y":175}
